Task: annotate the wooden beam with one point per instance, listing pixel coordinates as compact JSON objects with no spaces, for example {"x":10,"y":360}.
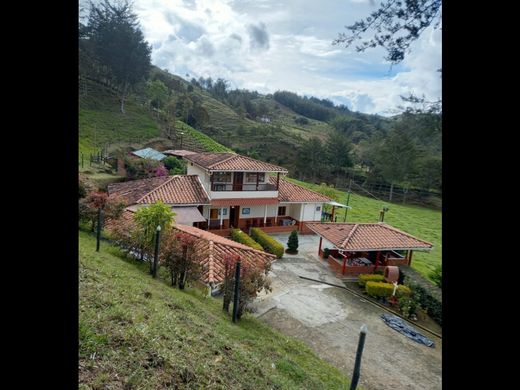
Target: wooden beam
{"x":377,"y":260}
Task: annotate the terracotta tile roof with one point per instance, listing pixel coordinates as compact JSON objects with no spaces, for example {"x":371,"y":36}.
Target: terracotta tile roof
{"x":214,"y":249}
{"x":135,"y":189}
{"x":211,"y":249}
{"x":289,"y":192}
{"x":232,"y":162}
{"x":367,"y":236}
{"x":179,"y":189}
{"x":244,"y":202}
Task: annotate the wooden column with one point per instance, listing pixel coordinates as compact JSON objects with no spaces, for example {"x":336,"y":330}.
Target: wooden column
{"x":343,"y":269}
{"x":319,"y":248}
{"x":265,"y":215}
{"x":332,"y":218}
{"x":377,"y":260}
{"x":410,"y":257}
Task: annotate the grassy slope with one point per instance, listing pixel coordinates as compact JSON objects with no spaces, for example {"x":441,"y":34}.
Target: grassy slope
{"x":137,"y":332}
{"x":421,"y":222}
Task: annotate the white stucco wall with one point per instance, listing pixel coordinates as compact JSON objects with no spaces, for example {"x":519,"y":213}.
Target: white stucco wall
{"x":309,"y":211}
{"x":201,"y":173}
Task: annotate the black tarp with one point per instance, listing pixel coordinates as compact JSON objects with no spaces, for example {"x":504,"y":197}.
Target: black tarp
{"x":402,"y":327}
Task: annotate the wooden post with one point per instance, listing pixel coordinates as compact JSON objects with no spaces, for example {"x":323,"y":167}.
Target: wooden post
{"x":410,"y":258}
{"x":332,"y":216}
{"x":343,"y":269}
{"x":377,"y":260}
{"x":319,"y":247}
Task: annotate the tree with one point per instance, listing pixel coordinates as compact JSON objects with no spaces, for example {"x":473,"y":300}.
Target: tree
{"x":147,"y":219}
{"x":395,"y":25}
{"x":311,"y":163}
{"x":292,"y":243}
{"x":338,"y":149}
{"x":395,"y":158}
{"x":88,"y":207}
{"x":118,"y":42}
{"x":179,"y":254}
{"x":144,"y":168}
{"x":175,"y":166}
{"x":157,"y":93}
{"x":436,"y":275}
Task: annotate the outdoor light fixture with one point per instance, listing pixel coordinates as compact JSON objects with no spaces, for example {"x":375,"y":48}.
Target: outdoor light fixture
{"x":159,"y":228}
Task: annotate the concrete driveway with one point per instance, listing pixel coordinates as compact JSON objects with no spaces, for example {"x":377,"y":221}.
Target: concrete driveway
{"x":328,"y":319}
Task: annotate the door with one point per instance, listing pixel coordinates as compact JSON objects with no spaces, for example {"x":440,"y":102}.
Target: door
{"x":238,"y":179}
{"x":234,"y":212}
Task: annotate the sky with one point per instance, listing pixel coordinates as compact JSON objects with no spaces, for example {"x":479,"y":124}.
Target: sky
{"x":269,"y":45}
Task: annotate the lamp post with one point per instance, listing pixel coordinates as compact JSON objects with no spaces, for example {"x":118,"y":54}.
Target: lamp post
{"x":359,"y":352}
{"x":156,"y":254}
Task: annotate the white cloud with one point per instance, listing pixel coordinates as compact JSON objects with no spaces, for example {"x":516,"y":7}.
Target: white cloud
{"x":266,"y":46}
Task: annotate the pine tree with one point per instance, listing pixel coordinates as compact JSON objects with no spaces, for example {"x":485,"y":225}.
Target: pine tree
{"x":292,"y":243}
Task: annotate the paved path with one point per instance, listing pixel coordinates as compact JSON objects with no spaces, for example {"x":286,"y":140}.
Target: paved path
{"x":328,"y":320}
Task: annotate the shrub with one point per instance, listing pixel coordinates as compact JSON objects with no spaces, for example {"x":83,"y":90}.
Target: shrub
{"x":427,"y":300}
{"x":174,"y":165}
{"x":241,"y":237}
{"x":292,"y":243}
{"x":408,"y":305}
{"x":326,"y":253}
{"x":269,"y":244}
{"x":364,"y":278}
{"x":381,"y":289}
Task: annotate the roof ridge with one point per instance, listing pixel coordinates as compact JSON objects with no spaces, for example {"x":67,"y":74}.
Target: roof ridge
{"x":344,"y":243}
{"x":221,"y":161}
{"x":404,"y":233}
{"x":305,"y":188}
{"x":155,"y":189}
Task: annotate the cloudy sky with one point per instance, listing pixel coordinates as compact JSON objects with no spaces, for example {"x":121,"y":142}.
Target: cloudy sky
{"x":269,"y":45}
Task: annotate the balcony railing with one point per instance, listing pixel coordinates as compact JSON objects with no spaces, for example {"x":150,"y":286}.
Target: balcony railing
{"x":245,"y":187}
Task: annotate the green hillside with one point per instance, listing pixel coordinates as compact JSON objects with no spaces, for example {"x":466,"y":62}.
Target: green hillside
{"x":418,"y":221}
{"x":136,"y":332}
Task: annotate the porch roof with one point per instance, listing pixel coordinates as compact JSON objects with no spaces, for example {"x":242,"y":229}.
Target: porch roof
{"x":244,"y":202}
{"x":367,"y":237}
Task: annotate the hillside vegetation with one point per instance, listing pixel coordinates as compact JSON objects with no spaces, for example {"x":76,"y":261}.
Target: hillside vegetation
{"x":139,"y":333}
{"x":418,"y":221}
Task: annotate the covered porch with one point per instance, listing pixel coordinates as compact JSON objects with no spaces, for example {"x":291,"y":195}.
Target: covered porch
{"x":364,"y":248}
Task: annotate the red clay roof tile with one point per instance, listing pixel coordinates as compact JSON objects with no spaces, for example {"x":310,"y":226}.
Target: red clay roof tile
{"x":232,"y":162}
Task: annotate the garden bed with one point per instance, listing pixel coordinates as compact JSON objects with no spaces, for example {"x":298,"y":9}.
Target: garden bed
{"x":423,"y":319}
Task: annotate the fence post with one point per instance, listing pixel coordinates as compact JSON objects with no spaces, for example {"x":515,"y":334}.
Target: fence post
{"x":98,"y":235}
{"x":237,"y":292}
{"x":156,"y":254}
{"x":359,"y":352}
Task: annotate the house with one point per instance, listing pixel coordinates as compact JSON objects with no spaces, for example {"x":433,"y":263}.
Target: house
{"x":225,"y":190}
{"x":360,"y":248}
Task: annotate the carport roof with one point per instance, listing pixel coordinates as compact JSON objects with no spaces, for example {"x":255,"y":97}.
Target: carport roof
{"x":368,"y":237}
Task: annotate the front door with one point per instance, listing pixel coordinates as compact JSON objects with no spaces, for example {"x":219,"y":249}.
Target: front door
{"x":234,"y":213}
{"x":238,"y":179}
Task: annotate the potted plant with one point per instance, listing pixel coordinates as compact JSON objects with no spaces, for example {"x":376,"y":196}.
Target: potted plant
{"x":292,"y":243}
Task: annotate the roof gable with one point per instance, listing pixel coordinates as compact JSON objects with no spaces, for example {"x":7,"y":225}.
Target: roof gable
{"x":232,"y":162}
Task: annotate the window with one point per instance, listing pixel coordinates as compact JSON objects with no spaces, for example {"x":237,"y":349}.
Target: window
{"x":281,"y":210}
{"x":246,"y":210}
{"x":213,"y":214}
{"x":224,"y":177}
{"x":318,"y":208}
{"x":251,"y":177}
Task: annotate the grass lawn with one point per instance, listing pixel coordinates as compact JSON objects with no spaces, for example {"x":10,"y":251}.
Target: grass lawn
{"x":139,"y":333}
{"x":418,"y":221}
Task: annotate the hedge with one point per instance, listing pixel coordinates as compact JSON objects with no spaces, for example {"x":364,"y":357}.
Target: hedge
{"x":241,"y":237}
{"x":380,"y":289}
{"x":269,"y":244}
{"x":364,"y":278}
{"x":427,"y":300}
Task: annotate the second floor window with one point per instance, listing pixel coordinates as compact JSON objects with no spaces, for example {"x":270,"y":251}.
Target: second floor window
{"x":281,"y":210}
{"x":222,"y":177}
{"x":251,"y":177}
